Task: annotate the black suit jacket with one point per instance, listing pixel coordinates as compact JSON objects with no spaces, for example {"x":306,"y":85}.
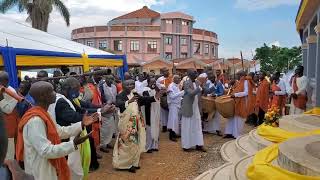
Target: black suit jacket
{"x":65,"y":115}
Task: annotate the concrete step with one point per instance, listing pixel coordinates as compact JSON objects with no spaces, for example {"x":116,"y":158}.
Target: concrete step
{"x":301,"y":155}
{"x":229,"y":152}
{"x":219,"y":173}
{"x":299,"y":123}
{"x":239,"y":170}
{"x":243,"y":145}
{"x":256,"y":141}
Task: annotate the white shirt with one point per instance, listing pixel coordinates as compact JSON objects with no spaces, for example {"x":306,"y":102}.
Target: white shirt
{"x":174,"y":94}
{"x":282,"y":86}
{"x":302,"y":83}
{"x":245,"y":91}
{"x":110,"y":93}
{"x":8,"y":103}
{"x":139,"y":86}
{"x":38,"y":149}
{"x":159,"y":82}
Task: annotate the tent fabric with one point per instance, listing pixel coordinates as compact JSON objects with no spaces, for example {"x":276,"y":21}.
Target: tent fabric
{"x":19,"y":35}
{"x":32,"y":47}
{"x":9,"y":61}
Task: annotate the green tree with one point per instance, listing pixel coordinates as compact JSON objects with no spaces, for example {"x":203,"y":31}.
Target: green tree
{"x":277,"y":58}
{"x":38,"y":10}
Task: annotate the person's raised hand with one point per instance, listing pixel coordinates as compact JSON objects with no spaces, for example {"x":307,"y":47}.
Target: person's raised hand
{"x":133,"y":99}
{"x":88,"y":120}
{"x":108,"y":108}
{"x":16,"y":171}
{"x":80,"y":139}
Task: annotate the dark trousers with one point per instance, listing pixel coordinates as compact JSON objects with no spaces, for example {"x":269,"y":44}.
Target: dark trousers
{"x":94,"y":160}
{"x":260,"y":116}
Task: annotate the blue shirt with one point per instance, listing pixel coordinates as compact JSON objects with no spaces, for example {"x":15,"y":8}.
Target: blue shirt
{"x":24,"y":106}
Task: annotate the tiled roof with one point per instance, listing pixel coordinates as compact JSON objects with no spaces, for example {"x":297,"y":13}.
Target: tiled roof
{"x":144,"y":12}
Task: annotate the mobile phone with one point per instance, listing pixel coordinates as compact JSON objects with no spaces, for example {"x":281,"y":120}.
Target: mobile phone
{"x":5,"y":173}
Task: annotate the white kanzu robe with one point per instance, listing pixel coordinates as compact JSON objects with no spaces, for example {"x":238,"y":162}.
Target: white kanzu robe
{"x":302,"y":83}
{"x":164,"y":114}
{"x":38,"y":149}
{"x":191,"y":130}
{"x":174,"y":102}
{"x":234,"y":125}
{"x":152,"y":131}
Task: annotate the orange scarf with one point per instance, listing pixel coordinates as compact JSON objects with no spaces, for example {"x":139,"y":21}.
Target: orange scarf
{"x":277,"y":101}
{"x":301,"y":101}
{"x":251,"y":103}
{"x":240,"y":102}
{"x":167,"y":81}
{"x":60,"y":164}
{"x":262,"y":97}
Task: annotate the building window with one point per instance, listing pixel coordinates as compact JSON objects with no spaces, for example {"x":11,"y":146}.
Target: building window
{"x":168,"y":21}
{"x":184,"y":55}
{"x":169,"y":40}
{"x":90,"y":43}
{"x":183,"y":41}
{"x":152,"y":46}
{"x":196,"y":48}
{"x":168,"y":56}
{"x":103,"y":45}
{"x":134,"y":45}
{"x":185,"y":23}
{"x":117,"y":45}
{"x":213,"y":50}
{"x":206,"y":48}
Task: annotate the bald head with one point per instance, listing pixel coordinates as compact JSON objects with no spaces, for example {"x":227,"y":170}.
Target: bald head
{"x":176,"y":79}
{"x":128,"y":85}
{"x":4,"y":78}
{"x":43,"y":93}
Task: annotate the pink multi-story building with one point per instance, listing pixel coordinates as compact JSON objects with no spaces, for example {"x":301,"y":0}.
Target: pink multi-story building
{"x":145,"y":35}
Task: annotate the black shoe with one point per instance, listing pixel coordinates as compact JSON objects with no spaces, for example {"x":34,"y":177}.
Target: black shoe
{"x":149,"y":151}
{"x":164,"y":129}
{"x":104,"y":149}
{"x":94,"y":167}
{"x":200,"y":148}
{"x":228,"y":136}
{"x":137,"y":167}
{"x":218,"y":133}
{"x":186,"y":150}
{"x":156,"y":150}
{"x":132,"y":169}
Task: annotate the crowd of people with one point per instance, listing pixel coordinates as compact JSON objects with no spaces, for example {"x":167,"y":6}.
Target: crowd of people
{"x":55,"y":127}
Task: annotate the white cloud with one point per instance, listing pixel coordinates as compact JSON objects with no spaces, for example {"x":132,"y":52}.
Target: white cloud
{"x":275,"y":43}
{"x":88,"y":13}
{"x":252,"y":5}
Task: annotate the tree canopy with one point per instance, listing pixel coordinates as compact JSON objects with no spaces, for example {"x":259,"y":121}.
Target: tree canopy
{"x":278,"y":58}
{"x":38,"y":10}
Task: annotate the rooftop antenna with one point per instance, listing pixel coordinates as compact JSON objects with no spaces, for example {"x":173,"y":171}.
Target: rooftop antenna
{"x":7,"y":43}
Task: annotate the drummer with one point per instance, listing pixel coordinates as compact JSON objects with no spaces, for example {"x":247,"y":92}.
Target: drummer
{"x":213,"y":88}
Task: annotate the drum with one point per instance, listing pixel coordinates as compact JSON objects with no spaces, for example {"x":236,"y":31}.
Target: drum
{"x":225,"y":106}
{"x":208,"y":106}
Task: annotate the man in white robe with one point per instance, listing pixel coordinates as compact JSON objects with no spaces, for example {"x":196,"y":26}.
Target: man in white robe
{"x":151,"y":104}
{"x":109,"y":124}
{"x":162,"y":83}
{"x":299,"y":86}
{"x":37,"y":150}
{"x":191,"y":130}
{"x":234,"y":125}
{"x":174,"y":101}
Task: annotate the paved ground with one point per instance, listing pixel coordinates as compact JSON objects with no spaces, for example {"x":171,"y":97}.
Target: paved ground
{"x":169,"y":163}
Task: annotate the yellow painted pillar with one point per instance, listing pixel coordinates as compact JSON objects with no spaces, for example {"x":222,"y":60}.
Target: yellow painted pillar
{"x":86,"y":66}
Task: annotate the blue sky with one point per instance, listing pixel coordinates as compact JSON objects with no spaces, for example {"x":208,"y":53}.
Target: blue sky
{"x":241,"y":25}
